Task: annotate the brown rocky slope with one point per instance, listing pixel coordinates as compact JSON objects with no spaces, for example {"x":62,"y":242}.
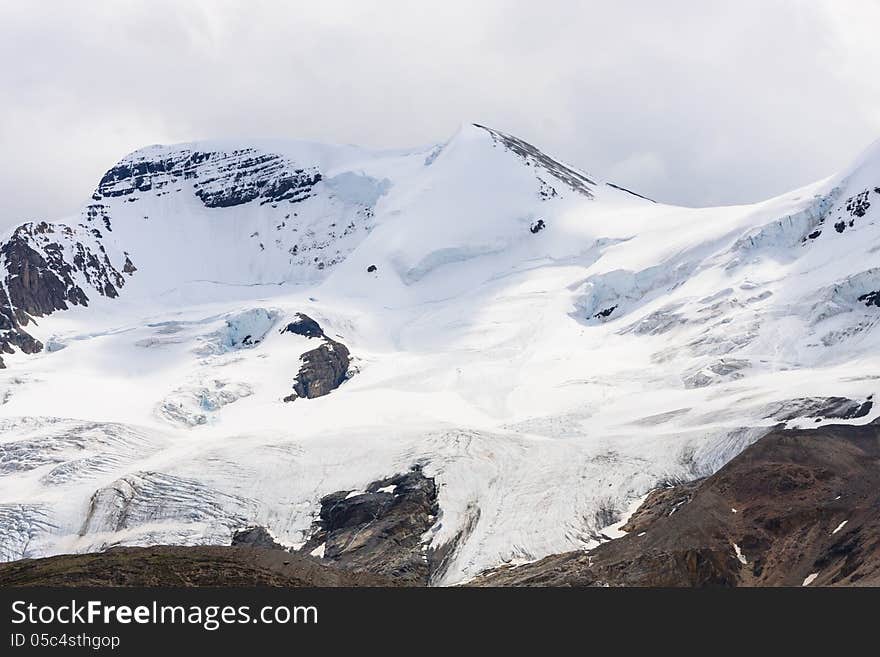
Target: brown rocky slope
{"x":797,"y":506}
{"x":182,"y":566}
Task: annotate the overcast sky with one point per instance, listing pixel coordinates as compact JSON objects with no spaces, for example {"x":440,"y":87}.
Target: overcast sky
{"x":696,"y":103}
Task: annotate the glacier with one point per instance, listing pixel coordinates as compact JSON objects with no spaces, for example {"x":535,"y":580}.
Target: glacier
{"x":546,"y":379}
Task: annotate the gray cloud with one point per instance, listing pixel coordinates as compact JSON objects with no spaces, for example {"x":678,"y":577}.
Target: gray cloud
{"x":695,"y":103}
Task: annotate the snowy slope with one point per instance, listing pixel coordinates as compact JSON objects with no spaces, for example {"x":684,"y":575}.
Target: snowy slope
{"x":549,"y":346}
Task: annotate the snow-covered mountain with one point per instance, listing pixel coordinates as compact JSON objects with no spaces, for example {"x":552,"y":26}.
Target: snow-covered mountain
{"x":547,"y":346}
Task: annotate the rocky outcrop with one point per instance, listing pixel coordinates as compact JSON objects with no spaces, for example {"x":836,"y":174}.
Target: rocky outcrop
{"x":256,"y":537}
{"x":798,"y":507}
{"x":305,"y":326}
{"x":38,"y":282}
{"x":220,"y":179}
{"x":48,"y":267}
{"x":324,"y":368}
{"x":380,"y":529}
{"x":833,"y":408}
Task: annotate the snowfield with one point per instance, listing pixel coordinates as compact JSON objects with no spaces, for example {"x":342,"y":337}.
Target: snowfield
{"x":548,"y":346}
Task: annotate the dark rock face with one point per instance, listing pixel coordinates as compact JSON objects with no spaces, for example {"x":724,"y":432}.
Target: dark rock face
{"x":796,"y":507}
{"x":128,"y":267}
{"x":324,"y":369}
{"x":371,"y":269}
{"x":11,"y":332}
{"x":835,"y":408}
{"x":871,"y":298}
{"x":605,"y":312}
{"x":98,"y":212}
{"x":855,"y":206}
{"x":220,"y":179}
{"x":39,"y":280}
{"x":305,"y":326}
{"x":379,"y":530}
{"x":858,"y":205}
{"x":533,"y":157}
{"x":537,"y":226}
{"x":255,"y":537}
{"x":36,"y":287}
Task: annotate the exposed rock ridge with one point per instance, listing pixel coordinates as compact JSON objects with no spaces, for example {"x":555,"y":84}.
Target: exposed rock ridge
{"x":542,"y":162}
{"x":47,"y":267}
{"x":324,"y":368}
{"x":219,"y":179}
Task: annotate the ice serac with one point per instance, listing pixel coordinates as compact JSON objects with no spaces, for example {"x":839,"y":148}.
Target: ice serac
{"x":533,"y":336}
